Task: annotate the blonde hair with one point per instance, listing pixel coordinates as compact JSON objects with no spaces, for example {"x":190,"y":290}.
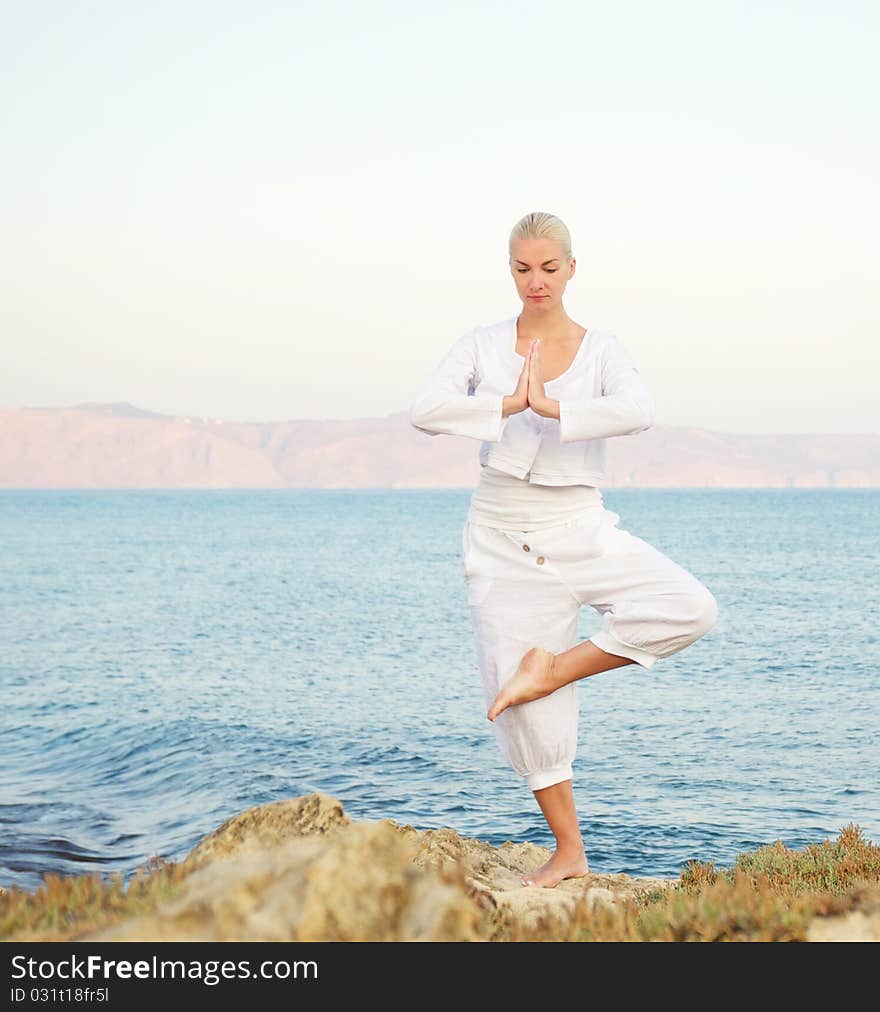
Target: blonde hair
{"x":541,"y":225}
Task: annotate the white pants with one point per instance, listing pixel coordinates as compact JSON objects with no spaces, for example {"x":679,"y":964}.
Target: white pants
{"x":525,"y":589}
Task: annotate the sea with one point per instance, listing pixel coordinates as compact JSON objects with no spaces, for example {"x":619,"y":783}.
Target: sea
{"x":169,"y":658}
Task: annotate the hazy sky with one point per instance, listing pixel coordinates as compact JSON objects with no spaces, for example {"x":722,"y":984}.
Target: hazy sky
{"x":264,"y":210}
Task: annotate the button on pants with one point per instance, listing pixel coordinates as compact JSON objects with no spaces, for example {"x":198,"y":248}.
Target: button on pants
{"x":525,"y":589}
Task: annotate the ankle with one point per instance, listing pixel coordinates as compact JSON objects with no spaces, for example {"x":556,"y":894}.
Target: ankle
{"x":570,"y":845}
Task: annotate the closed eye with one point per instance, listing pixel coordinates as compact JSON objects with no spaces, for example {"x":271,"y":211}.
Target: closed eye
{"x":550,"y":270}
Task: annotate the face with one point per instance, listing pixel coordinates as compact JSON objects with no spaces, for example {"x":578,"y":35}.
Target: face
{"x":540,"y":271}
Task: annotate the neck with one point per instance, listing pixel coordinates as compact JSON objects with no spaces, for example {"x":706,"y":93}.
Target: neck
{"x":547,"y":321}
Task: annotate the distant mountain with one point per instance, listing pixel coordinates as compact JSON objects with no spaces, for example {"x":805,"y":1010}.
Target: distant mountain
{"x":119,"y":409}
{"x":119,"y":445}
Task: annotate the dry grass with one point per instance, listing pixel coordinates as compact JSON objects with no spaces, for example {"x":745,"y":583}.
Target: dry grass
{"x":833,"y":866}
{"x":66,"y":906}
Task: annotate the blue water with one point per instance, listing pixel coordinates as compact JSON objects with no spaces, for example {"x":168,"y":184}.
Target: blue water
{"x":170,"y":658}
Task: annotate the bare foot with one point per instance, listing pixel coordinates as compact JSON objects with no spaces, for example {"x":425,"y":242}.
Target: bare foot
{"x":531,"y":680}
{"x":560,"y":866}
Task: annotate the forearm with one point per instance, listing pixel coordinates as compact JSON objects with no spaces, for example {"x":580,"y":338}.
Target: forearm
{"x":601,"y":417}
{"x":478,"y":416}
{"x":598,"y":417}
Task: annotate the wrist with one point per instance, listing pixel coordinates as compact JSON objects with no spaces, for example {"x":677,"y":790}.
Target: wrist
{"x":547,"y":407}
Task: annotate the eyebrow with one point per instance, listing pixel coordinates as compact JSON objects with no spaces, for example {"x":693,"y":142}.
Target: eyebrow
{"x":553,"y":261}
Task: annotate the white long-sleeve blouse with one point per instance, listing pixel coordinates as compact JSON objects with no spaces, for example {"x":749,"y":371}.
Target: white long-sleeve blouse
{"x":601,"y":394}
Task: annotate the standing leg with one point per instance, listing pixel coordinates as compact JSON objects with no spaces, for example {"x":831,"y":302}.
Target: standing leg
{"x":514,"y":605}
{"x":569,"y":859}
{"x":557,"y":800}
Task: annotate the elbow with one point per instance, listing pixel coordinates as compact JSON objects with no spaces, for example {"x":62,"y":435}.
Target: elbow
{"x":418,"y":418}
{"x":417,"y":411}
{"x":639,"y":416}
{"x":649,"y":414}
{"x":644,"y":411}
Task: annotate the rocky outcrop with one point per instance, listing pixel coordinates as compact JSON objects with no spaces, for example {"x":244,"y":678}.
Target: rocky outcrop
{"x":301,"y":870}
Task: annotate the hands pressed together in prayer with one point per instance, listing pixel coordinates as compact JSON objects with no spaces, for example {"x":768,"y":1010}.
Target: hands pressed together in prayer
{"x":529,"y":391}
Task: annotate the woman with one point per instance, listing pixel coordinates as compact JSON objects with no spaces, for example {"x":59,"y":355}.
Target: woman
{"x":543,"y":394}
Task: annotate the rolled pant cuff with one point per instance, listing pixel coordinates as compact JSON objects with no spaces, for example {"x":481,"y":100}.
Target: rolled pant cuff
{"x":605,"y":641}
{"x":546,"y":778}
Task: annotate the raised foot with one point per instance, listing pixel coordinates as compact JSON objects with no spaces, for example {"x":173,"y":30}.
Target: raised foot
{"x":532,"y":679}
{"x":559,"y":867}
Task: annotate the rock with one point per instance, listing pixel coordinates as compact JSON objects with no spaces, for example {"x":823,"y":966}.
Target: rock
{"x":300,"y":870}
{"x":269,"y":825}
{"x":493,"y":875}
{"x":358,"y":883}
